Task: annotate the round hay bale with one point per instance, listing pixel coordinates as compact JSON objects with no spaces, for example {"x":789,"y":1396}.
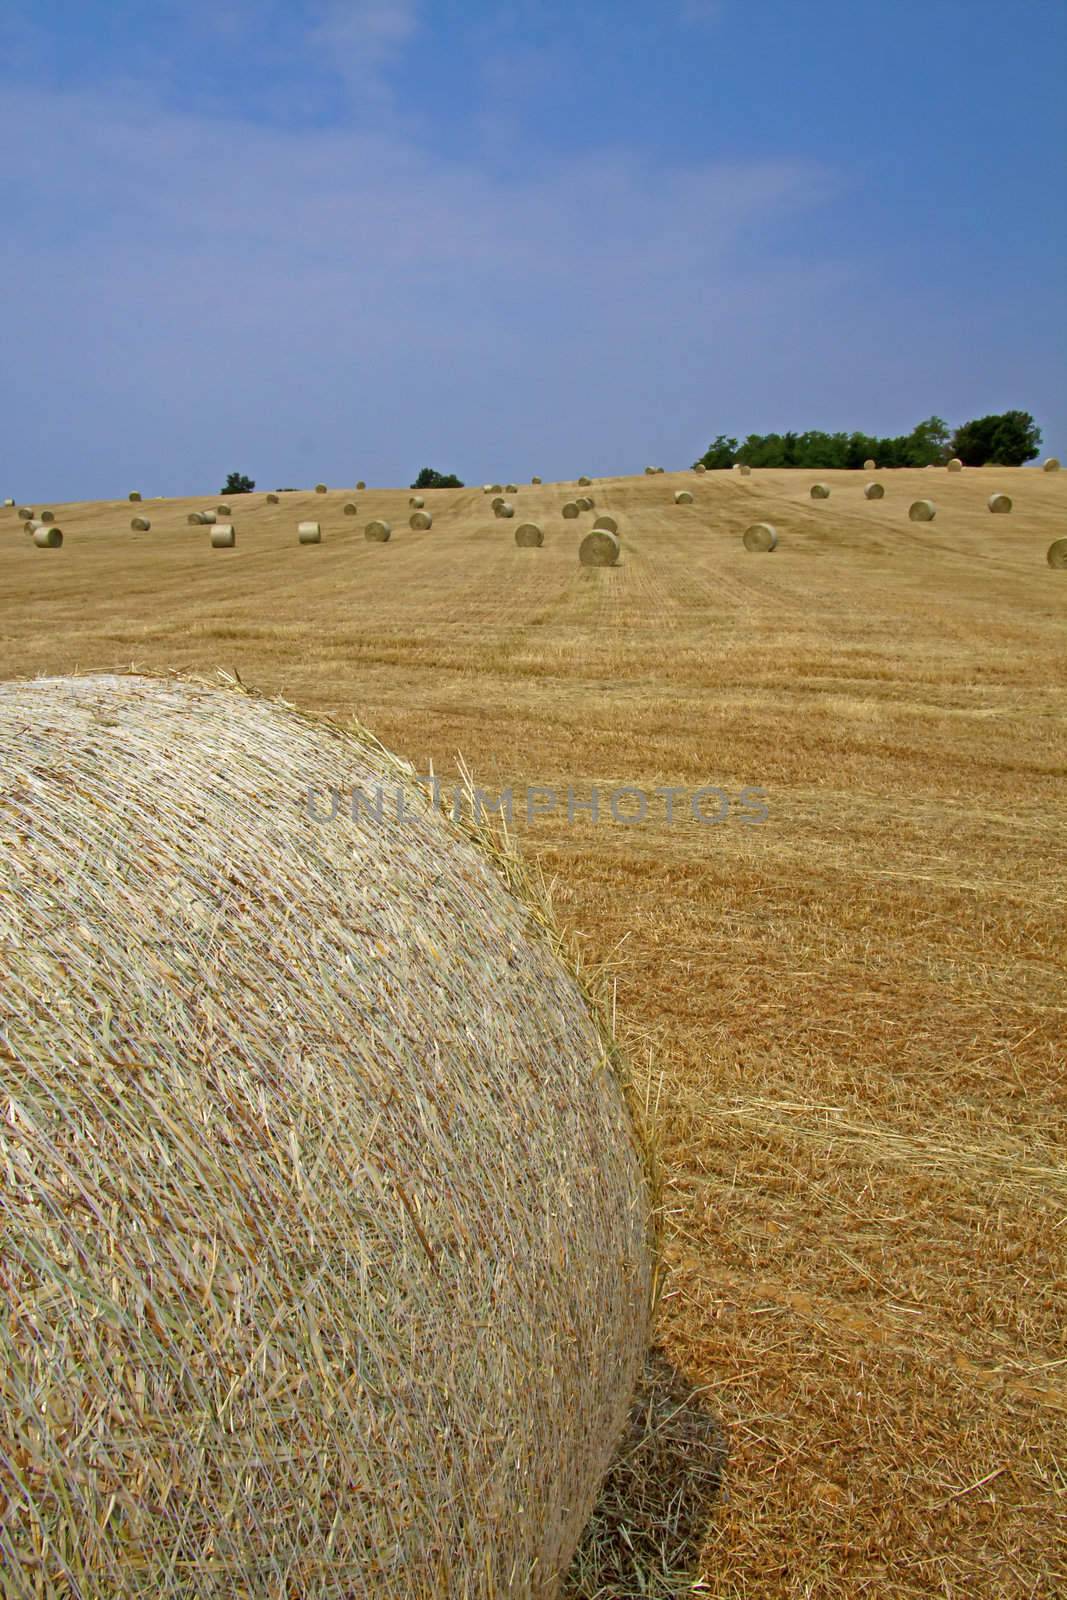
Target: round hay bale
{"x":320,"y":488}
{"x":1057,"y":554}
{"x":760,"y":536}
{"x":272,"y":500}
{"x":584,"y":483}
{"x":134,"y":494}
{"x":318,"y":1164}
{"x":528,"y":534}
{"x":209,"y":518}
{"x":416,"y":502}
{"x":1051,"y":465}
{"x":25,"y":513}
{"x":8,"y":504}
{"x":223,"y":536}
{"x":661,"y":469}
{"x":820,"y":491}
{"x":1000,"y":503}
{"x":46,"y":536}
{"x":505,"y":509}
{"x":599,"y":548}
{"x":744,"y":469}
{"x":874,"y":491}
{"x":361,"y":484}
{"x":682,"y":497}
{"x":33,"y":524}
{"x":309,"y":532}
{"x":532,"y":480}
{"x":955,"y":465}
{"x":223,"y":511}
{"x":421,"y":520}
{"x":487,"y":488}
{"x":922,"y":511}
{"x":570,"y":510}
{"x":870,"y":466}
{"x":496,"y":488}
{"x":584,"y":503}
{"x":379,"y":531}
{"x":649,"y":472}
{"x":140,"y":524}
{"x":349,"y":508}
{"x":511,"y":488}
{"x":700,"y":467}
{"x":196,"y":519}
{"x":46,"y":516}
{"x":607,"y":522}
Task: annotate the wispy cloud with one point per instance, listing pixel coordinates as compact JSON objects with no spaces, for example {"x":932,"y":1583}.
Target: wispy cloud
{"x":360,"y":39}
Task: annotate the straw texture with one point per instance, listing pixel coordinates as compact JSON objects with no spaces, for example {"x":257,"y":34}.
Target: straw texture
{"x":309,"y":532}
{"x":869,"y":465}
{"x":140,"y":524}
{"x":955,"y":465}
{"x":922,"y":511}
{"x":224,"y":511}
{"x":505,"y":509}
{"x":584,"y":483}
{"x":874,"y":491}
{"x":1057,"y":554}
{"x":349,"y":508}
{"x":760,"y":536}
{"x":599,"y":549}
{"x":535,"y":480}
{"x":327,"y":1261}
{"x":134,"y":495}
{"x":820,"y":491}
{"x":529,"y":534}
{"x":46,"y":516}
{"x":25,"y":513}
{"x":378,"y":530}
{"x":47,"y":536}
{"x":570,"y":510}
{"x":421,"y":520}
{"x":1000,"y":503}
{"x":197,"y":519}
{"x":682,"y":497}
{"x":272,"y":500}
{"x":607,"y":522}
{"x":320,"y":488}
{"x":416,"y":502}
{"x":584,"y":502}
{"x":1051,"y":465}
{"x":361,"y":484}
{"x":223,"y":536}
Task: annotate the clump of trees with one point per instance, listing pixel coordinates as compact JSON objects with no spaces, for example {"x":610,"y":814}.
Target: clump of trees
{"x":1007,"y":440}
{"x":237,"y":483}
{"x":429,"y":479}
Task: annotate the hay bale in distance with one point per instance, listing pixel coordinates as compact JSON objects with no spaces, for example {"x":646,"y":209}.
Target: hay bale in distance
{"x":416,"y":502}
{"x":8,"y":504}
{"x":349,"y":509}
{"x":585,"y":483}
{"x":505,"y":509}
{"x":599,"y":548}
{"x":570,"y":510}
{"x":700,"y":467}
{"x":33,"y":524}
{"x":874,"y":491}
{"x":511,"y":488}
{"x":955,"y":465}
{"x":134,"y":494}
{"x":496,"y":488}
{"x":421,"y":520}
{"x":607,"y":522}
{"x":223,"y":536}
{"x":196,"y":519}
{"x":584,"y":503}
{"x":361,"y":484}
{"x":46,"y":516}
{"x":661,"y":469}
{"x":922,"y":511}
{"x":650,"y":472}
{"x":682,"y":497}
{"x":760,"y":536}
{"x":272,"y":500}
{"x":744,"y":469}
{"x":320,"y":488}
{"x":326,"y":1235}
{"x":309,"y":532}
{"x":140,"y":524}
{"x":1051,"y":465}
{"x":529,"y":534}
{"x":1057,"y":554}
{"x":1000,"y":503}
{"x":535,"y":480}
{"x":820,"y":491}
{"x":870,"y":466}
{"x":25,"y":513}
{"x":379,"y":531}
{"x":46,"y":536}
{"x":223,"y":511}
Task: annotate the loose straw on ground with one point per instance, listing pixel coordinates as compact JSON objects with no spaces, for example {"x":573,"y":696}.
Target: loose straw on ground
{"x":599,"y":549}
{"x":760,"y":536}
{"x":320,"y":1162}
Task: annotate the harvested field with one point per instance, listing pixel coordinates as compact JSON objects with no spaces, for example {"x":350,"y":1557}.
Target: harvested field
{"x":855,"y":1013}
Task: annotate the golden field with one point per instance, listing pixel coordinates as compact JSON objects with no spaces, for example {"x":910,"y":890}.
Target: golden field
{"x":853,"y":1017}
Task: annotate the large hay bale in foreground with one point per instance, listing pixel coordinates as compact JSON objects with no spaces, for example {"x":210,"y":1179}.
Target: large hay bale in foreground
{"x":922,"y":511}
{"x":599,"y":548}
{"x":309,"y":532}
{"x":1057,"y":554}
{"x":326,"y":1225}
{"x":820,"y":491}
{"x":607,"y":522}
{"x":570,"y":510}
{"x":223,"y":536}
{"x":529,"y":534}
{"x":1000,"y":504}
{"x":1051,"y":465}
{"x":955,"y":465}
{"x":379,"y":531}
{"x":421,"y":520}
{"x":760,"y":536}
{"x":874,"y":491}
{"x":46,"y":536}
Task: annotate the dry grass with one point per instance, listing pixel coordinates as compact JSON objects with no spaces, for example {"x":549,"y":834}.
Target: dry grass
{"x":858,"y":1009}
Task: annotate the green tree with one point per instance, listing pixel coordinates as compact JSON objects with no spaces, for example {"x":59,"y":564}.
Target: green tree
{"x":1004,"y":440}
{"x":429,"y":479}
{"x":237,"y":483}
{"x":927,"y":445}
{"x":722,"y":453}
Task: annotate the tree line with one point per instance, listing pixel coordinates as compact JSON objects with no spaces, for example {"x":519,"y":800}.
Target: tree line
{"x":1008,"y":440}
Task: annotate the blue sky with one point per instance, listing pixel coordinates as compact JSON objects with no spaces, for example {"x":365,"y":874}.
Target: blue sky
{"x":341,"y":239}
